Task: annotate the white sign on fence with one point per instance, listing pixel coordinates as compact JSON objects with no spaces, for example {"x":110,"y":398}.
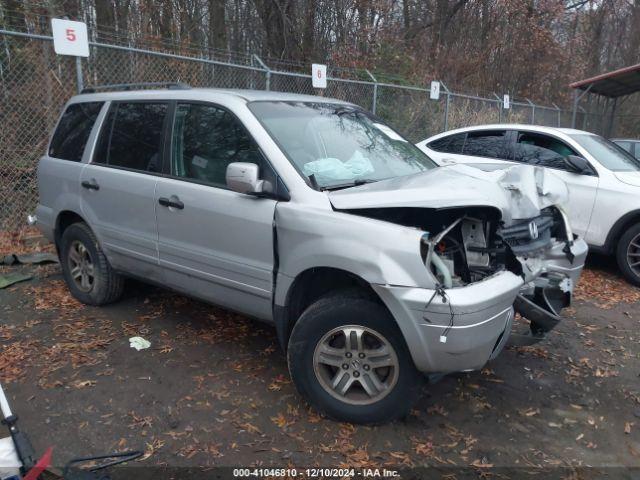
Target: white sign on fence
{"x":505,"y":101}
{"x":434,"y":93}
{"x":70,"y":38}
{"x":319,"y":75}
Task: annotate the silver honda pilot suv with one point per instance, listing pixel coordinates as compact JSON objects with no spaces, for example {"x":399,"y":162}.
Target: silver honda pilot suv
{"x":373,"y":264}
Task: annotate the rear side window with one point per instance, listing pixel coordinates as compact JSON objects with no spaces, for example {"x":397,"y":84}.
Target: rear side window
{"x":449,"y":144}
{"x":73,"y":131}
{"x":543,"y":150}
{"x":487,"y":143}
{"x":132,"y":136}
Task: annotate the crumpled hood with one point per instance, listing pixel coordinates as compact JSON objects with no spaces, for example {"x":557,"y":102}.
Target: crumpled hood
{"x":630,"y":178}
{"x":519,"y":192}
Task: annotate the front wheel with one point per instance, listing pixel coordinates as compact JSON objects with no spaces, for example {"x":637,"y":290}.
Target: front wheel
{"x":348,"y":358}
{"x":628,"y":254}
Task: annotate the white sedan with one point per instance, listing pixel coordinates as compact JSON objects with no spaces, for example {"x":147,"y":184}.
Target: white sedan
{"x":603,"y":179}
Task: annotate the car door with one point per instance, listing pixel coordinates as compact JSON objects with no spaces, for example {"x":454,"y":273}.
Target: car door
{"x":541,"y":149}
{"x":118,"y":186}
{"x":60,"y":169}
{"x":214,"y":243}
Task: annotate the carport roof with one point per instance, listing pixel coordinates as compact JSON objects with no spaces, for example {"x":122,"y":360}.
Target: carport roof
{"x":617,"y":83}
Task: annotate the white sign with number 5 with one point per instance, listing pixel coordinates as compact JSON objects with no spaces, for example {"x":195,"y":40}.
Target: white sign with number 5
{"x":319,"y":75}
{"x":70,"y":38}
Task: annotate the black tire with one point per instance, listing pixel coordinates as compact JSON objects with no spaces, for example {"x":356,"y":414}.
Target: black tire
{"x":107,"y":285}
{"x":631,"y":235}
{"x":339,"y":310}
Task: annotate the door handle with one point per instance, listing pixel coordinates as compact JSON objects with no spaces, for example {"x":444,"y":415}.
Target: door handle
{"x":173,"y":202}
{"x":90,"y":185}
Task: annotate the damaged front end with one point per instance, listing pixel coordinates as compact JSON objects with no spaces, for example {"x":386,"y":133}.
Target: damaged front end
{"x":539,"y":250}
{"x":495,"y":243}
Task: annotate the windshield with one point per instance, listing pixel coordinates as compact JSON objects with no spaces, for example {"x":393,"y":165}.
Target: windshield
{"x":337,"y":145}
{"x":609,"y":154}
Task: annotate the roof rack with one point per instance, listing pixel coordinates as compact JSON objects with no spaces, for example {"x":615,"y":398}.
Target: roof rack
{"x":135,"y":86}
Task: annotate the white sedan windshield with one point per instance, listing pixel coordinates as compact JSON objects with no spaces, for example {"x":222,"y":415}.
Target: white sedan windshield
{"x":339,"y":145}
{"x":607,"y":153}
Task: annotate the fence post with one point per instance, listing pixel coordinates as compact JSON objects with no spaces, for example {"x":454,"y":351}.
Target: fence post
{"x":559,"y":113}
{"x":533,"y":111}
{"x":446,"y":107}
{"x":576,"y":102}
{"x":375,"y":91}
{"x":79,"y":79}
{"x":267,"y":77}
{"x":500,"y":105}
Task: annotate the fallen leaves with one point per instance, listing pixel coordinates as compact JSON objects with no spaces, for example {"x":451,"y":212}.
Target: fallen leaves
{"x":80,"y":384}
{"x":605,"y":289}
{"x":6,"y":332}
{"x":53,"y":295}
{"x":139,"y":422}
{"x":191,"y":450}
{"x":16,"y":358}
{"x":278,"y":382}
{"x":533,"y":351}
{"x":627,"y":427}
{"x":249,"y":427}
{"x":281,"y":421}
{"x":529,"y":412}
{"x":402,"y":459}
{"x":421,"y":447}
{"x":23,"y":240}
{"x":152,"y":448}
{"x":356,"y":458}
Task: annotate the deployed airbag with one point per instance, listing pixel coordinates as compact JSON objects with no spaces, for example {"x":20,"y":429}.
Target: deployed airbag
{"x":330,"y":169}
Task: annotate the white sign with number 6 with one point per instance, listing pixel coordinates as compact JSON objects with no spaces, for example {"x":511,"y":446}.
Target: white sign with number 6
{"x":319,"y":75}
{"x":70,"y":38}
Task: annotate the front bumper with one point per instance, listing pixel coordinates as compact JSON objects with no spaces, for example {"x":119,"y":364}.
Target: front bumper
{"x":542,"y":299}
{"x":482,"y":318}
{"x":476,"y":319}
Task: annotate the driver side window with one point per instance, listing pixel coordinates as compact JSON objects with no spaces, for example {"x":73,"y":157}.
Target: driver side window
{"x":206,"y":139}
{"x":542,"y":150}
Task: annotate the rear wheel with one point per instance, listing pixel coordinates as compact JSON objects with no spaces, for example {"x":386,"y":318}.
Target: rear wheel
{"x":86,"y":269}
{"x":348,"y":358}
{"x":628,"y":254}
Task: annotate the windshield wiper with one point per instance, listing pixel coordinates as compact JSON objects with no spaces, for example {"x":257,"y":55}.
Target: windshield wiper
{"x":354,"y":183}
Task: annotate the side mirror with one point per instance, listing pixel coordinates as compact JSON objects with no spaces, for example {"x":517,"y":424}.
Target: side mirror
{"x":242,"y":177}
{"x":577,"y":164}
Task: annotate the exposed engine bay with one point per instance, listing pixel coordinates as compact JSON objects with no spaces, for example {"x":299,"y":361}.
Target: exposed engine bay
{"x":465,"y":245}
{"x":470,"y":244}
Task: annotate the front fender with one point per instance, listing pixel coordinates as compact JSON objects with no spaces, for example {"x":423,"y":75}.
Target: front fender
{"x":378,"y":252}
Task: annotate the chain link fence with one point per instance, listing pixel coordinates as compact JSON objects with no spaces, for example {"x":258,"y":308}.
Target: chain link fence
{"x":35,"y":83}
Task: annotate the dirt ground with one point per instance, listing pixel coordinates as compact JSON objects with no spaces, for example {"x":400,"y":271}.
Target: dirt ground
{"x":214,"y":389}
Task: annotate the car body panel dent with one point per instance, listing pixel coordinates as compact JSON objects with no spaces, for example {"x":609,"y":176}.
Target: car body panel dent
{"x":519,"y":192}
{"x":377,"y":251}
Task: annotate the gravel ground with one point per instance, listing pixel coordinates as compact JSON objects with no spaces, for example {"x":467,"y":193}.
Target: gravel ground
{"x":214,"y":390}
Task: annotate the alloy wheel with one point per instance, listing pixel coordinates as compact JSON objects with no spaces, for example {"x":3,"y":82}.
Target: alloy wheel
{"x":356,"y":364}
{"x":633,"y":255}
{"x":81,"y":267}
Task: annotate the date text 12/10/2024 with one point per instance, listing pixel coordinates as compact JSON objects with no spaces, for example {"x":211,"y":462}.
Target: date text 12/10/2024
{"x":315,"y":472}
